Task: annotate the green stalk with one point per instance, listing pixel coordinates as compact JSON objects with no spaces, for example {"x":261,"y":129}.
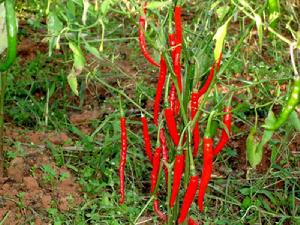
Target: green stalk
{"x":3,"y":80}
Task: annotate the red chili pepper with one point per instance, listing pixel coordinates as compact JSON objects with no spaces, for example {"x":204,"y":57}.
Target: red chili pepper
{"x":178,"y":171}
{"x":192,"y":222}
{"x":178,"y":33}
{"x":188,"y":198}
{"x":147,"y":141}
{"x":207,"y":169}
{"x":159,"y":89}
{"x":219,"y":61}
{"x":123,"y":158}
{"x":142,"y":42}
{"x":165,"y":152}
{"x":224,"y":137}
{"x":207,"y":82}
{"x":159,"y":213}
{"x":171,"y":124}
{"x":155,"y":168}
{"x":196,"y":133}
{"x":173,"y":100}
{"x":178,"y":26}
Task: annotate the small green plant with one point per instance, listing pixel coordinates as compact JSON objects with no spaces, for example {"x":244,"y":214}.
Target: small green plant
{"x":49,"y":174}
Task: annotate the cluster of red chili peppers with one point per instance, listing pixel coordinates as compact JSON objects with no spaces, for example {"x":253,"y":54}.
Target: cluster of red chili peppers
{"x":161,"y":153}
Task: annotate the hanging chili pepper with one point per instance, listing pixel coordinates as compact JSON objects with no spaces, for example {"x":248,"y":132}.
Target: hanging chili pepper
{"x":192,"y":222}
{"x":165,"y":152}
{"x":12,"y":30}
{"x":158,"y":212}
{"x":142,"y":42}
{"x":206,"y":85}
{"x":155,"y":168}
{"x":147,"y":141}
{"x":188,"y":197}
{"x":123,"y":157}
{"x":196,"y":133}
{"x":224,"y":136}
{"x":219,"y":61}
{"x":171,"y":124}
{"x":159,"y":89}
{"x":207,"y":162}
{"x":178,"y":33}
{"x":178,"y":172}
{"x":291,"y":104}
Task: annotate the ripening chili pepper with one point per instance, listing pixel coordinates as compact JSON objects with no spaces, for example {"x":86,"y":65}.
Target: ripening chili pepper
{"x":155,"y":168}
{"x":290,"y":106}
{"x":123,"y":158}
{"x":165,"y":152}
{"x":178,"y":172}
{"x":12,"y":30}
{"x":219,"y":61}
{"x":147,"y":141}
{"x":192,"y":222}
{"x":188,"y":198}
{"x":158,"y":212}
{"x":171,"y":124}
{"x":206,"y":85}
{"x":159,"y":89}
{"x":207,"y":169}
{"x":142,"y":42}
{"x":224,"y":136}
{"x":196,"y":133}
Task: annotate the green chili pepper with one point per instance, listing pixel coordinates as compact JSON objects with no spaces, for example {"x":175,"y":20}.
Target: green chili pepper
{"x":11,"y":27}
{"x":292,"y":102}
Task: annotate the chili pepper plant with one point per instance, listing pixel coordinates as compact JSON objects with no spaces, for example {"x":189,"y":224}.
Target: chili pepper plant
{"x":185,"y":147}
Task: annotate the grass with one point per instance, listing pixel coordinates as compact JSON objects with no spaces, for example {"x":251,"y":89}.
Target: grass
{"x":236,"y":195}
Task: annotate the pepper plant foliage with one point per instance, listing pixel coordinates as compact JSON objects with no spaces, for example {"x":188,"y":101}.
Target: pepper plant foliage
{"x":187,"y":102}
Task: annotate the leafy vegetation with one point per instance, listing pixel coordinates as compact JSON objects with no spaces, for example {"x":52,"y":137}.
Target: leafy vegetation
{"x":73,"y":86}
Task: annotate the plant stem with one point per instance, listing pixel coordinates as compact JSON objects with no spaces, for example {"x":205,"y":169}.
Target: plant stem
{"x":3,"y":79}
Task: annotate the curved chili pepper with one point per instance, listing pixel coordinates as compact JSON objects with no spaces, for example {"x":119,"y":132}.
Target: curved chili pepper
{"x":207,"y":169}
{"x":171,"y":124}
{"x":196,"y":133}
{"x":192,"y":222}
{"x":219,"y":61}
{"x":165,"y":152}
{"x":11,"y":29}
{"x":142,"y":42}
{"x":178,"y":171}
{"x":206,"y":85}
{"x":224,"y":137}
{"x":188,"y":198}
{"x":159,"y":89}
{"x":147,"y":141}
{"x":158,"y":212}
{"x":123,"y":158}
{"x":291,"y":104}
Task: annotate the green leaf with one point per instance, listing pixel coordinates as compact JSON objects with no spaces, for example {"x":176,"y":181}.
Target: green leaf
{"x":294,"y":120}
{"x":253,"y":156}
{"x":222,"y":12}
{"x":157,"y":4}
{"x":54,"y":28}
{"x":259,"y":27}
{"x":72,"y":80}
{"x":219,"y":38}
{"x":106,"y":5}
{"x":79,"y":60}
{"x":91,"y":49}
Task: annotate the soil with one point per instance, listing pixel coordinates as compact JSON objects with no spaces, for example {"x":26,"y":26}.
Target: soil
{"x":28,"y":190}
